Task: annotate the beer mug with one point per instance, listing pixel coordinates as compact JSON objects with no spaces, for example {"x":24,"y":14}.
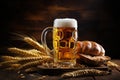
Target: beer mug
{"x":64,"y":40}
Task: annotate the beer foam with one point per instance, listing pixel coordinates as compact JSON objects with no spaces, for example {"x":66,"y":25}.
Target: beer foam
{"x":65,"y":22}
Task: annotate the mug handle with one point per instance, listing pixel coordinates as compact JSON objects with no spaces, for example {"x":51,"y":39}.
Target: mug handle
{"x":43,"y":40}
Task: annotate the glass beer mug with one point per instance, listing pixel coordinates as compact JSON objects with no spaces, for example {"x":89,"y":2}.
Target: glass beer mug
{"x":64,"y":40}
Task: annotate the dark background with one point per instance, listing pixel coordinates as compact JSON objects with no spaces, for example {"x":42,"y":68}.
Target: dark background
{"x":98,"y":20}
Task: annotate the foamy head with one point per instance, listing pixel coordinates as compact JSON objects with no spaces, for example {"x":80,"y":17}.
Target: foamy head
{"x":65,"y":22}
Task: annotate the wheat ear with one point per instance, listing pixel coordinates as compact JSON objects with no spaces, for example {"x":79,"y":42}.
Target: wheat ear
{"x":35,"y":44}
{"x":31,"y":59}
{"x":84,"y":72}
{"x":113,"y":65}
{"x":13,"y":67}
{"x":7,"y":58}
{"x":31,"y":64}
{"x":22,"y":52}
{"x":35,"y":51}
{"x":7,"y":63}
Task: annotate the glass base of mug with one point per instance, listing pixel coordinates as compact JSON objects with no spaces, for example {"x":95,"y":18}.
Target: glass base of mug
{"x":66,"y":64}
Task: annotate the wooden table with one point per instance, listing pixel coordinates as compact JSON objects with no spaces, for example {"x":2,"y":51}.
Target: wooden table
{"x":12,"y":75}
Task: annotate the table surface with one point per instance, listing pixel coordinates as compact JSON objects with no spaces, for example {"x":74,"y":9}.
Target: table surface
{"x":12,"y":75}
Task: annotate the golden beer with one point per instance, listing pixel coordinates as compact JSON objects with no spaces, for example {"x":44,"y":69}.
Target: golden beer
{"x":64,"y":42}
